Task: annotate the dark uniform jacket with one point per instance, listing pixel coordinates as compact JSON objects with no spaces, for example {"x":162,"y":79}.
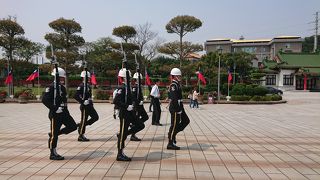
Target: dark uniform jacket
{"x":87,"y":95}
{"x":175,"y":94}
{"x":61,"y":98}
{"x":120,"y":100}
{"x":136,"y":98}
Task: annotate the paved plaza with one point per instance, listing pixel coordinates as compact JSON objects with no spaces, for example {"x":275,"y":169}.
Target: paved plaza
{"x":224,"y":141}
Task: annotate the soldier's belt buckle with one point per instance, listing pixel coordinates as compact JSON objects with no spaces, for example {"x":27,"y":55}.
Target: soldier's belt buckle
{"x":62,"y":105}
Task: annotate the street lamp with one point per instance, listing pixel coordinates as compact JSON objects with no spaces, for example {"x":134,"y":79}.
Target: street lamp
{"x":219,"y":51}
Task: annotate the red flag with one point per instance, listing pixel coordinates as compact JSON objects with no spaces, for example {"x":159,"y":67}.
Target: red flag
{"x":34,"y":75}
{"x":148,"y":80}
{"x":229,"y":76}
{"x":9,"y":78}
{"x":201,"y":78}
{"x":93,"y":79}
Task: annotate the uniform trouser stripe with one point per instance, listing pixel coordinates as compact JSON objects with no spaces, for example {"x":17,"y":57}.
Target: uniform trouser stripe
{"x":83,"y":120}
{"x":174,"y":125}
{"x":52,"y":133}
{"x":121,"y":133}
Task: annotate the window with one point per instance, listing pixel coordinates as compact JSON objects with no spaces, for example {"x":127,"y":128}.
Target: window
{"x":288,"y":46}
{"x":218,"y":47}
{"x":287,"y":79}
{"x":271,"y":79}
{"x":249,"y":49}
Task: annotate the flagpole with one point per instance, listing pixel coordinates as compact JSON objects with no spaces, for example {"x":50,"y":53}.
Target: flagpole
{"x":9,"y":93}
{"x":199,"y":80}
{"x":145,"y":81}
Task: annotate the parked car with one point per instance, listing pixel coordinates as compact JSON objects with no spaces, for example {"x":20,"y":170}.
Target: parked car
{"x":273,"y":90}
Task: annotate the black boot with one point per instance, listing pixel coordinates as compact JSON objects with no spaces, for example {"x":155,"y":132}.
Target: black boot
{"x":134,"y":138}
{"x":82,"y":138}
{"x":122,"y":157}
{"x":172,"y":146}
{"x":54,"y":155}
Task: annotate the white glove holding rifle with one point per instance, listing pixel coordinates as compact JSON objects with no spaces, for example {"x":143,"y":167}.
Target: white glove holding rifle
{"x":86,"y":102}
{"x":130,"y":108}
{"x":59,"y":110}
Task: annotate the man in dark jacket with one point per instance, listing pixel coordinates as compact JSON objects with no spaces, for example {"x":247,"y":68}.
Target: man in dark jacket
{"x":179,"y":118}
{"x":55,"y":99}
{"x":84,"y":97}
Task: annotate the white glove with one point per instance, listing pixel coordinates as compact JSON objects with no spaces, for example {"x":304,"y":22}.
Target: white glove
{"x":130,"y":108}
{"x":180,"y":112}
{"x":86,"y":102}
{"x":59,"y":110}
{"x":141,"y":103}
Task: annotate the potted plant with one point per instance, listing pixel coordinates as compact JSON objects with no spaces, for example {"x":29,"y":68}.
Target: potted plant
{"x":3,"y":95}
{"x":23,"y":98}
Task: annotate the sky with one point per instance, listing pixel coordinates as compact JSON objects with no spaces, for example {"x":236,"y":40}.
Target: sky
{"x":253,"y":19}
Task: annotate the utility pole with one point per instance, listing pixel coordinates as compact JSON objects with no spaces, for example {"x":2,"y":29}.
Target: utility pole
{"x":316,"y":34}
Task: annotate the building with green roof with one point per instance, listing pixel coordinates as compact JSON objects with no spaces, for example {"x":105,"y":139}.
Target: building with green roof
{"x":293,"y":71}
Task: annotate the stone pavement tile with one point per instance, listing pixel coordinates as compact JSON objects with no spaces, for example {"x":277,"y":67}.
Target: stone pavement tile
{"x":35,"y":177}
{"x":151,"y":170}
{"x":164,"y":174}
{"x":169,"y":164}
{"x":269,"y":168}
{"x":240,"y":176}
{"x":235,"y":168}
{"x":4,"y":177}
{"x":60,"y":174}
{"x":83,"y":169}
{"x":49,"y":169}
{"x":292,"y":173}
{"x":96,"y":174}
{"x":185,"y":171}
{"x":214,"y":160}
{"x":74,"y":177}
{"x":203,"y":175}
{"x":117,"y":169}
{"x":112,"y":178}
{"x":245,"y":161}
{"x":132,"y":174}
{"x":3,"y":169}
{"x":17,"y":168}
{"x":313,"y":177}
{"x":277,"y":176}
{"x":256,"y":173}
{"x":25,"y":173}
{"x":316,"y":170}
{"x":220,"y":172}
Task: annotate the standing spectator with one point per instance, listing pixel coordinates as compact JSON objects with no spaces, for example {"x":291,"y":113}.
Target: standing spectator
{"x":156,"y":114}
{"x":195,"y":98}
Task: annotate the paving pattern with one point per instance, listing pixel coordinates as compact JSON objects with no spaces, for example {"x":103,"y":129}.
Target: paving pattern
{"x":222,"y":142}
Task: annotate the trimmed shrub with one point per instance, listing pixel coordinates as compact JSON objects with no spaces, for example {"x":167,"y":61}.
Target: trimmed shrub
{"x":240,"y":98}
{"x":249,"y":90}
{"x":260,"y":91}
{"x":257,"y":98}
{"x":276,"y":97}
{"x":102,"y":94}
{"x":71,"y":93}
{"x":238,"y":89}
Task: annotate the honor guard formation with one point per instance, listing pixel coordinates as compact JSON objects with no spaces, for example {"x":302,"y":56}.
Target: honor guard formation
{"x":128,"y":102}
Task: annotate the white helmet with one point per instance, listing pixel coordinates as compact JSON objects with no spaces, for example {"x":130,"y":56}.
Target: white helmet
{"x":83,"y":74}
{"x":61,"y":72}
{"x":122,"y":73}
{"x":175,"y":72}
{"x":136,"y":76}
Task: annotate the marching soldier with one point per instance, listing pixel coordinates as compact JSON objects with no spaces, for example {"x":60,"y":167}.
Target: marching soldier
{"x":84,"y":97}
{"x":137,"y":99}
{"x":126,"y":115}
{"x":179,"y":118}
{"x":55,"y":99}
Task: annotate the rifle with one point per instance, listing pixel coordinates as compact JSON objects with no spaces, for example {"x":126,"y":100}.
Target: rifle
{"x":85,"y":84}
{"x":56,"y":79}
{"x":128,"y":99}
{"x":139,"y":77}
